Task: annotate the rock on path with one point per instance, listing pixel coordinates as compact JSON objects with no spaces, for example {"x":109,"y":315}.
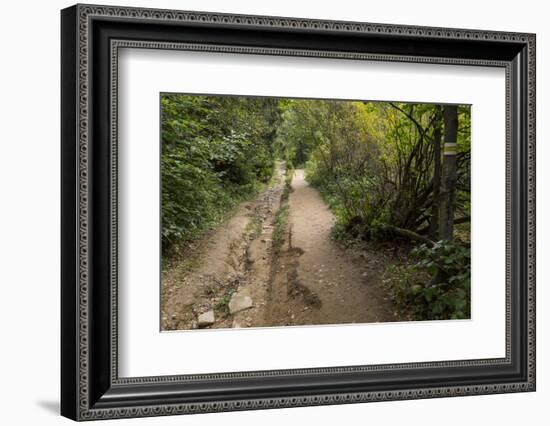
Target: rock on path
{"x":207,"y":318}
{"x":239,"y":302}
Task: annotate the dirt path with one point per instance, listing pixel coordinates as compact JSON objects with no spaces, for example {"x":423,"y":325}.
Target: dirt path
{"x":337,"y":284}
{"x":234,"y":277}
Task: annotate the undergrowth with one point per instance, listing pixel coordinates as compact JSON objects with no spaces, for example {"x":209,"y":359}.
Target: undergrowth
{"x":436,"y":286}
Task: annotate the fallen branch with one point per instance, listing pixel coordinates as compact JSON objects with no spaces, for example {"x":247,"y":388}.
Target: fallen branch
{"x":409,"y":234}
{"x":461,"y":220}
{"x":456,"y":222}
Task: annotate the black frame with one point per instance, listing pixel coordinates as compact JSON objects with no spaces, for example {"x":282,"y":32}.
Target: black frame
{"x":90,"y":387}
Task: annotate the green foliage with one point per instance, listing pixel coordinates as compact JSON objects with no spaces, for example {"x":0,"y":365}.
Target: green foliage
{"x":374,"y":162}
{"x":222,"y":306}
{"x":216,"y":151}
{"x":446,"y":296}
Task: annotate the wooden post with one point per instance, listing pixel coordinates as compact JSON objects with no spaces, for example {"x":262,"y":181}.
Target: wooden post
{"x":448,"y":174}
{"x":434,"y":220}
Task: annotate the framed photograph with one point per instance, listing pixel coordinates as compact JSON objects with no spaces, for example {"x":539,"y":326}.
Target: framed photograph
{"x":263,"y":212}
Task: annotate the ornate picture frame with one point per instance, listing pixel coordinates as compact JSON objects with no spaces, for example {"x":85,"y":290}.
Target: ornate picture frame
{"x":91,"y":386}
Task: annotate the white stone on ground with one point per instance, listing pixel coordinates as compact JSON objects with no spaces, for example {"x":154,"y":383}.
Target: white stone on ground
{"x":239,"y":302}
{"x":206,"y":319}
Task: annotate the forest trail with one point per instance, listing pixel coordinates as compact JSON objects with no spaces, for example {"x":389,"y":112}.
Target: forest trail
{"x":337,"y":284}
{"x":234,"y":274}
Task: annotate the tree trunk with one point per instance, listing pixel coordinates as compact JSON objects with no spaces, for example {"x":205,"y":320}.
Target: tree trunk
{"x":448,"y":174}
{"x":434,"y":221}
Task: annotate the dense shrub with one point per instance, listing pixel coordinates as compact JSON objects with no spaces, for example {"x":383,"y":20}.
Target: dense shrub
{"x":215,"y":152}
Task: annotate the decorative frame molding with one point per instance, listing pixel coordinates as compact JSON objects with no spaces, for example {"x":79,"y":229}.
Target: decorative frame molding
{"x":91,"y":388}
